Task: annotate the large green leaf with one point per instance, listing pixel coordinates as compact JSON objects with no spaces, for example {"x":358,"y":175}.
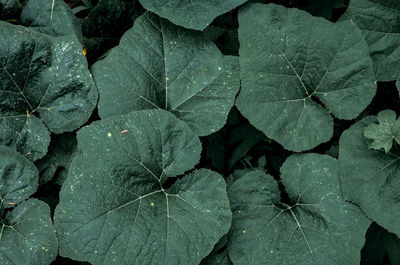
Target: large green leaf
{"x":291,"y":62}
{"x":44,"y":77}
{"x":319,"y":228}
{"x":158,"y":65}
{"x":18,"y":178}
{"x":27,"y":235}
{"x":190,"y":14}
{"x":380,"y":22}
{"x":114,"y":208}
{"x":370,"y":178}
{"x":57,"y":20}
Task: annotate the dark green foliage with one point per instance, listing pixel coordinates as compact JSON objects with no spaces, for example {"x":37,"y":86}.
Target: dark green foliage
{"x":212,"y":132}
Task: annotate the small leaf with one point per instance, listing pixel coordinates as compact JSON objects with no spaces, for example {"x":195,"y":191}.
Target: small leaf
{"x":385,"y":132}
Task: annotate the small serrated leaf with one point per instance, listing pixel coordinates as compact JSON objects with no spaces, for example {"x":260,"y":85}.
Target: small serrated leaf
{"x":385,"y":132}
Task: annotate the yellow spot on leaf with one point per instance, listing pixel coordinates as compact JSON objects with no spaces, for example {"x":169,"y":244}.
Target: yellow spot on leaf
{"x":27,"y":113}
{"x":109,"y":134}
{"x":271,"y":251}
{"x":84,"y":51}
{"x":244,"y":231}
{"x":152,"y":204}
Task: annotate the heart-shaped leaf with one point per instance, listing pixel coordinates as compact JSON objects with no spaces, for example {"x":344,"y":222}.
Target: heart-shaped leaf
{"x":114,"y":207}
{"x":158,"y":65}
{"x":297,"y":70}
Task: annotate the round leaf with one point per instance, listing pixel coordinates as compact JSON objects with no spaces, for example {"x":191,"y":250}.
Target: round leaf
{"x":296,"y":69}
{"x":190,"y":14}
{"x":379,"y":21}
{"x":266,"y":231}
{"x":370,"y":178}
{"x":27,"y":235}
{"x":113,"y":206}
{"x":44,"y":77}
{"x":158,"y":65}
{"x":18,"y":178}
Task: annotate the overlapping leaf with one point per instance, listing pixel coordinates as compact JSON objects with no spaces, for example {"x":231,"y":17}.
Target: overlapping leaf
{"x":296,"y":69}
{"x":267,"y":231}
{"x":43,"y":81}
{"x":158,"y":65}
{"x":380,"y":22}
{"x":370,"y":178}
{"x":188,"y":13}
{"x":27,"y":234}
{"x":113,"y":206}
{"x":54,"y":166}
{"x":55,"y":20}
{"x":106,"y":23}
{"x":18,"y":178}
